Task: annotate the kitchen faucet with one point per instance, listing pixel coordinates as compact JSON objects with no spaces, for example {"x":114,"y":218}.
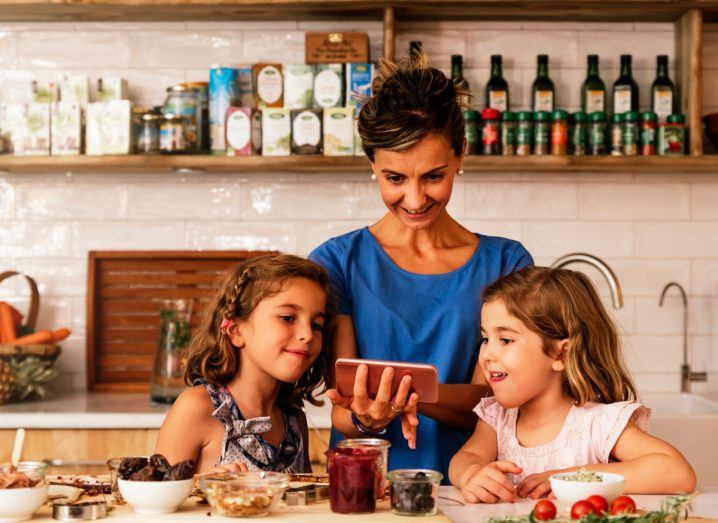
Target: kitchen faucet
{"x":579,"y":257}
{"x":687,"y":375}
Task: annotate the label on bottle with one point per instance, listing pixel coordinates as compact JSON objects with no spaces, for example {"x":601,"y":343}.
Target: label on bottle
{"x":543,"y":101}
{"x":621,"y":99}
{"x":595,"y":101}
{"x":662,"y":103}
{"x":498,"y":100}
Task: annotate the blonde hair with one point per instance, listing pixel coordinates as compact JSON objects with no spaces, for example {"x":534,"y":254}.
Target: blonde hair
{"x":212,"y":357}
{"x":559,"y":304}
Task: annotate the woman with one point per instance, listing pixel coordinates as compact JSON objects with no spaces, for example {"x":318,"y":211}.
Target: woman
{"x":408,"y":286}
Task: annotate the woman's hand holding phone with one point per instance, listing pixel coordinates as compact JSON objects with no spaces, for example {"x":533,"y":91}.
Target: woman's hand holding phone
{"x":376,"y":414}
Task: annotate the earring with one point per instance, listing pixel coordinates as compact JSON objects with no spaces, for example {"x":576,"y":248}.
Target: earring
{"x":460,"y":172}
{"x":373,"y":177}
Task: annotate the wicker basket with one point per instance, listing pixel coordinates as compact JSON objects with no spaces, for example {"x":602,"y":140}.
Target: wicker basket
{"x":47,"y":353}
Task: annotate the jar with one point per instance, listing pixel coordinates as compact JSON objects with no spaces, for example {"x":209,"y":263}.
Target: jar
{"x":379,"y":444}
{"x":524,"y":131}
{"x":167,"y":381}
{"x":617,"y":134}
{"x":414,"y":492}
{"x":579,"y":133}
{"x":508,"y":133}
{"x":182,"y":101}
{"x":672,"y":136}
{"x":147,"y":133}
{"x":201,"y":94}
{"x":352,"y":480}
{"x":559,"y":132}
{"x":648,"y":135}
{"x":630,"y":133}
{"x":172,"y":134}
{"x":490,"y":131}
{"x":542,"y":128}
{"x":471,"y":132}
{"x":597,"y":133}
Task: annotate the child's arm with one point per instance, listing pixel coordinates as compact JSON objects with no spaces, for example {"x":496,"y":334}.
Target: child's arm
{"x":476,"y":472}
{"x":182,"y":436}
{"x":650,"y":466}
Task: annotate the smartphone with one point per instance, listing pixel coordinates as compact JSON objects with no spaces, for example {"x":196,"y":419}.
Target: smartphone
{"x":424,"y":377}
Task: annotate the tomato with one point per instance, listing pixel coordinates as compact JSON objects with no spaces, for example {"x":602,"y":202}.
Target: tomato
{"x":582,"y":508}
{"x":623,"y":505}
{"x":599,"y":503}
{"x":544,"y":510}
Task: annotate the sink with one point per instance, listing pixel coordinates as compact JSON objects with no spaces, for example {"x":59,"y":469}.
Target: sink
{"x":677,"y":405}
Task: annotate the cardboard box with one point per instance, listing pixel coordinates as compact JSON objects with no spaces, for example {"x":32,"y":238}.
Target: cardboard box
{"x":276,"y":132}
{"x":66,"y":137}
{"x":339,"y":131}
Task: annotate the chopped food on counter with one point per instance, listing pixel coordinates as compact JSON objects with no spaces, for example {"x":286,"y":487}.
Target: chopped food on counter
{"x":156,"y":468}
{"x":16,"y":479}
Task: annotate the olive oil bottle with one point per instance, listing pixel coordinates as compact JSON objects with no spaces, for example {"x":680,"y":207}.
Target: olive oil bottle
{"x":542,"y":91}
{"x":593,"y":91}
{"x":457,"y":76}
{"x":625,"y":89}
{"x":663,"y":93}
{"x":497,"y":89}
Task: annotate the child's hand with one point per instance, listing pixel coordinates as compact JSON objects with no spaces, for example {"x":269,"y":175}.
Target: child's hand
{"x":536,"y":486}
{"x":490,"y":484}
{"x":228,"y":467}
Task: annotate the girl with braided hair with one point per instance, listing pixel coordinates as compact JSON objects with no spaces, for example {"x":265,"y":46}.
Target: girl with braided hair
{"x":258,"y":354}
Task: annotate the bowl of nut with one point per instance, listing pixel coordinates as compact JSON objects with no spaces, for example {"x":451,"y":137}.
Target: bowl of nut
{"x":22,"y":490}
{"x":244,"y":494}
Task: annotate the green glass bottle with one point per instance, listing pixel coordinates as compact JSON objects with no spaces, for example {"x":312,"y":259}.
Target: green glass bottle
{"x":542,"y":91}
{"x":625,"y":89}
{"x":497,"y":89}
{"x":593,"y":91}
{"x":663,"y":93}
{"x":457,"y":76}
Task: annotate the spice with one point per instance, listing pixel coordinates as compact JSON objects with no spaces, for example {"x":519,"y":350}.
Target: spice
{"x":524,"y":130}
{"x":579,"y":133}
{"x":471,"y":131}
{"x":414,"y":492}
{"x":172,"y":134}
{"x":617,"y":134}
{"x":672,"y":136}
{"x":542,"y":128}
{"x":490,"y":131}
{"x":147,"y":133}
{"x":508,"y":133}
{"x":559,"y":132}
{"x":648,"y":133}
{"x":630,"y":133}
{"x":597,"y":133}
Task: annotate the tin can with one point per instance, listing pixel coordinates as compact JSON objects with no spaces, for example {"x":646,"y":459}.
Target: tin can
{"x":182,"y":101}
{"x":223,"y":88}
{"x":672,"y":136}
{"x":172,"y":134}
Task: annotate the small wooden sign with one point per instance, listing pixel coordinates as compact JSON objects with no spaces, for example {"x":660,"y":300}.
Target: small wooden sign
{"x":331,"y":48}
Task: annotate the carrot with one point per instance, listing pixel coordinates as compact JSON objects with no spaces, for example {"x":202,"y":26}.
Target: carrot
{"x":16,"y":317}
{"x":39,"y":337}
{"x":60,"y":334}
{"x":7,"y":328}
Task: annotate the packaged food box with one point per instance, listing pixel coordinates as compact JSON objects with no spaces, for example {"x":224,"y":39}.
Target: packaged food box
{"x":306,"y":131}
{"x":66,"y":137}
{"x":44,"y":92}
{"x":359,"y":78}
{"x":111,"y":88}
{"x":268,"y":85}
{"x":339,"y":131}
{"x":29,"y":129}
{"x":329,"y":86}
{"x":239,"y":131}
{"x":108,"y":127}
{"x":298,"y":86}
{"x":223,"y":90}
{"x":246,"y":86}
{"x":75,"y":88}
{"x":276,"y":132}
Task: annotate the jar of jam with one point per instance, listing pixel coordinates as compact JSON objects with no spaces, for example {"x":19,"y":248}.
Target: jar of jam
{"x":630,"y":133}
{"x":379,"y":444}
{"x":490,"y":132}
{"x":597,"y":133}
{"x":672,"y":136}
{"x":559,"y":132}
{"x":524,"y":132}
{"x":471,"y":132}
{"x":414,"y":492}
{"x":542,"y":133}
{"x":352,"y":480}
{"x":508,"y":133}
{"x":648,"y":135}
{"x":172,"y":134}
{"x":579,"y":133}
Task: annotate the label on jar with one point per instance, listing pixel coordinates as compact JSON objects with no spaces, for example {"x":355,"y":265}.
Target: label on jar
{"x":648,"y":135}
{"x":171,"y":137}
{"x":523,"y":134}
{"x":597,"y":135}
{"x":490,"y":134}
{"x":328,"y":88}
{"x":621,"y":99}
{"x":544,"y":101}
{"x":238,"y":132}
{"x":269,"y":85}
{"x":306,"y":129}
{"x":578,"y":139}
{"x":671,"y":139}
{"x":498,"y":100}
{"x":542,"y":133}
{"x":595,"y":101}
{"x":616,"y":140}
{"x":662,"y":103}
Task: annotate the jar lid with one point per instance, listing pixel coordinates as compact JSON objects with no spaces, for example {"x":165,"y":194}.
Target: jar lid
{"x":172,"y":117}
{"x":559,"y":114}
{"x":648,"y":116}
{"x":471,"y":115}
{"x":149,"y":117}
{"x":363,"y":443}
{"x":414,"y":476}
{"x":490,"y":114}
{"x":630,"y":116}
{"x":542,"y":116}
{"x":617,"y":117}
{"x":508,"y":116}
{"x":579,"y":116}
{"x":524,"y":116}
{"x":177,"y":89}
{"x":598,"y":116}
{"x":676,"y":118}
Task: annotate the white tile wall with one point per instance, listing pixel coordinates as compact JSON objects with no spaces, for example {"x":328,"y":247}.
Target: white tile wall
{"x":651,"y":229}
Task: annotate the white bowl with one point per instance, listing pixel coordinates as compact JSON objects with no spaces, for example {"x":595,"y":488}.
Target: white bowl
{"x":155,"y":497}
{"x":19,"y":504}
{"x":570,"y":492}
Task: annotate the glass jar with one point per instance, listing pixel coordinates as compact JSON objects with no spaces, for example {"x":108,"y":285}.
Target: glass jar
{"x":672,"y":136}
{"x":147,"y":133}
{"x":649,"y":124}
{"x":579,"y":133}
{"x":471,"y":132}
{"x":353,"y":479}
{"x":630,"y":133}
{"x":414,"y":492}
{"x":172,"y":134}
{"x":490,"y":131}
{"x":201,"y":94}
{"x":559,"y":132}
{"x":379,"y":444}
{"x":597,"y":133}
{"x":542,"y":133}
{"x":524,"y":132}
{"x":508,"y":133}
{"x":182,"y":101}
{"x":617,"y":134}
{"x":167,"y":372}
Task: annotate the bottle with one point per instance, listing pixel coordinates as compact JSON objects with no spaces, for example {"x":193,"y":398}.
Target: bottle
{"x":497,"y":90}
{"x":414,"y":49}
{"x":457,"y":76}
{"x":663,"y":93}
{"x":542,"y":92}
{"x":625,"y":89}
{"x":593,"y":91}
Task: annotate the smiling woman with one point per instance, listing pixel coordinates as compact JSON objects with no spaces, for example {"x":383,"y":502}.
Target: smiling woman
{"x":409,"y":285}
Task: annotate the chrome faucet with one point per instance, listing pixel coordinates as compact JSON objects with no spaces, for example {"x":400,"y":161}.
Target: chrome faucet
{"x":602,"y":266}
{"x":687,"y":375}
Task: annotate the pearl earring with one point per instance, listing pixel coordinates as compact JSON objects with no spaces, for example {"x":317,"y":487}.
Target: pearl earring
{"x":460,"y":172}
{"x":373,"y":177}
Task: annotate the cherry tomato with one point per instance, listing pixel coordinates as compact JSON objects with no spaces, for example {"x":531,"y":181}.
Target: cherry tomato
{"x":582,"y":508}
{"x":544,"y":510}
{"x":623,"y":505}
{"x":599,"y":503}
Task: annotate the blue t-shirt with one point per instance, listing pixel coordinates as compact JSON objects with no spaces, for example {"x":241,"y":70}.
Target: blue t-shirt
{"x":422,"y":318}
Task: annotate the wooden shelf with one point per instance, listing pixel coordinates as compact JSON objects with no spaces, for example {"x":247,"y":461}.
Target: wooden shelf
{"x":352,"y":164}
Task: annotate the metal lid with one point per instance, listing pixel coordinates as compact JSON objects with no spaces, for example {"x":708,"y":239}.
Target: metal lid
{"x":617,"y":117}
{"x":85,"y":511}
{"x":490,"y":114}
{"x":508,"y":116}
{"x":559,"y":114}
{"x":179,"y":88}
{"x":597,"y":116}
{"x":471,"y":115}
{"x":676,"y":118}
{"x":579,"y":116}
{"x":542,"y":116}
{"x":649,"y":116}
{"x":630,"y":116}
{"x":524,"y":116}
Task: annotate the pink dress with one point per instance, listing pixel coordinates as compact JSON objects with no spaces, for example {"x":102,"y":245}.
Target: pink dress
{"x":588,"y":435}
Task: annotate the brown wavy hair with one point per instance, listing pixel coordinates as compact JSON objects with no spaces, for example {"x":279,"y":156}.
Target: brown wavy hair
{"x":560,"y":304}
{"x":411,"y":100}
{"x":212,"y":357}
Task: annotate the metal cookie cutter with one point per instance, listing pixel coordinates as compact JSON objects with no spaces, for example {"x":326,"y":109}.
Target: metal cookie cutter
{"x":306,"y":495}
{"x":85,"y":511}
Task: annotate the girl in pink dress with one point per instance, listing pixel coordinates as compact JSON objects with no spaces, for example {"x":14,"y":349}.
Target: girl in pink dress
{"x":563,"y":399}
